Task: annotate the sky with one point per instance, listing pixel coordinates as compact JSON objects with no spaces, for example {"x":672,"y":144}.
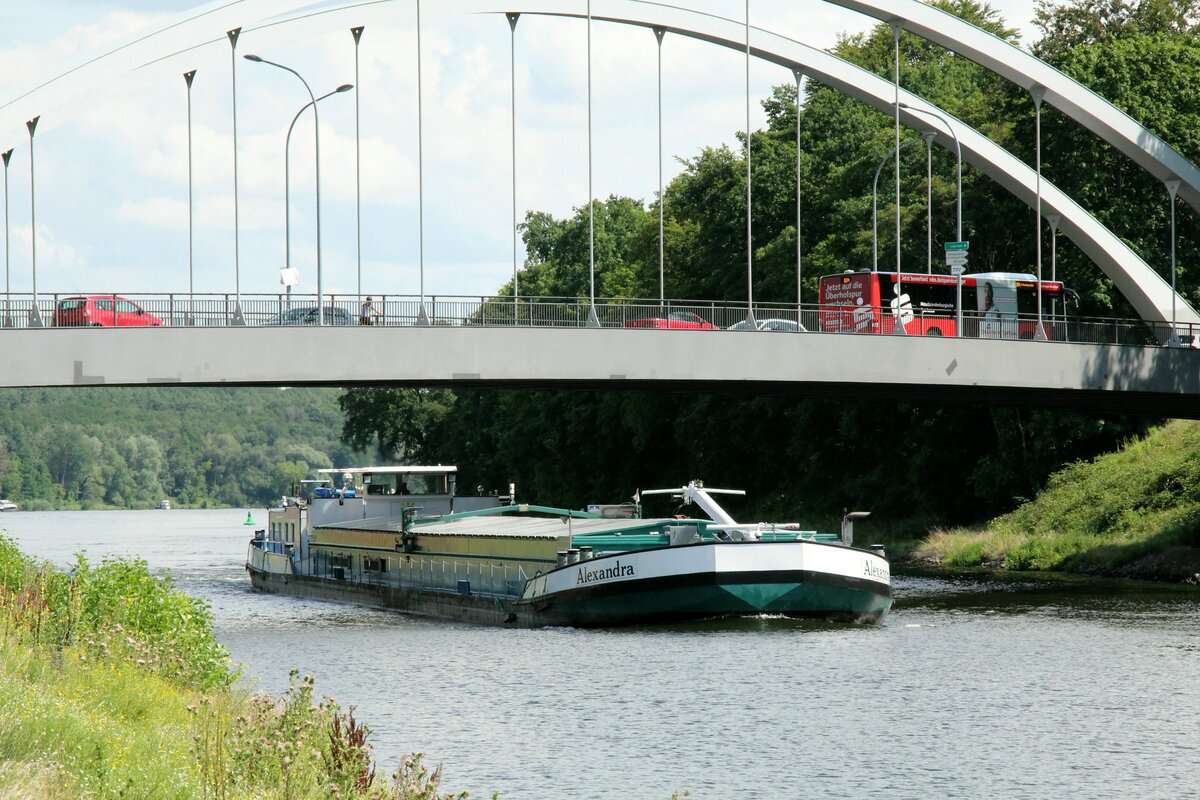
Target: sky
{"x":112,"y":170}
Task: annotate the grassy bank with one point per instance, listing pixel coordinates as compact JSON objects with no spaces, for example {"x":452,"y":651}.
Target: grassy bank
{"x":112,"y":685}
{"x":1134,"y":512}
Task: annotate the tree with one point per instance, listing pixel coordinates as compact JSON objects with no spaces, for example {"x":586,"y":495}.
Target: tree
{"x":394,"y":421}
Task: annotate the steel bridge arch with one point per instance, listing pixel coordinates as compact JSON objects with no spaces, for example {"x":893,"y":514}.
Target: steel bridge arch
{"x":1146,"y":291}
{"x":1114,"y":126}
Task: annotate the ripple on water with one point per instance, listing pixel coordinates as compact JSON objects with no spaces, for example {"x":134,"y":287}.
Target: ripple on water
{"x":972,"y":687}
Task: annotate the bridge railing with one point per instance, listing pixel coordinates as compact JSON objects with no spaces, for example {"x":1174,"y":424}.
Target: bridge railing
{"x":224,"y":310}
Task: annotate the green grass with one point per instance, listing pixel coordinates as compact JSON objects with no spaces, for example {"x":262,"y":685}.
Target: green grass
{"x":112,"y":685}
{"x":1094,"y":516}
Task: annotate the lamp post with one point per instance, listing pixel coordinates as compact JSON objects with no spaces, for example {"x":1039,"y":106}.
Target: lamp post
{"x":317,"y":143}
{"x":287,"y":183}
{"x":188,"y":77}
{"x":8,"y":323}
{"x":958,"y":158}
{"x":357,"y":33}
{"x":35,"y":314}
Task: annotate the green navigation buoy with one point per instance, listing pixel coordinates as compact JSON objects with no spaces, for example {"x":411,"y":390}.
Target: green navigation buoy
{"x":249,"y":519}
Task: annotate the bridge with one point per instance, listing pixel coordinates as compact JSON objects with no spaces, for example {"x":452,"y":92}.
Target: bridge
{"x":1143,"y":365}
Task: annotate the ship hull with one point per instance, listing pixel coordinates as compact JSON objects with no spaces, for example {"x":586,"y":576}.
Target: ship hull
{"x":664,"y":585}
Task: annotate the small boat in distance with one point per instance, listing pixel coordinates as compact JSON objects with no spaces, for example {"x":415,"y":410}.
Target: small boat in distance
{"x":8,"y":505}
{"x":403,"y":540}
{"x":165,"y":505}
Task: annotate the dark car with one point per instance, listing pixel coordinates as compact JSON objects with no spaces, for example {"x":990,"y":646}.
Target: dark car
{"x":767,"y":325}
{"x":685,"y":320}
{"x":102,"y":310}
{"x":307,"y":315}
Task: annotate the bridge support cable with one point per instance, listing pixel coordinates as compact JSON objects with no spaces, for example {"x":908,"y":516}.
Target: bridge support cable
{"x":238,"y":318}
{"x":357,"y":33}
{"x":35,"y":313}
{"x":6,"y":156}
{"x":422,"y":314}
{"x":928,"y":136}
{"x":188,"y":77}
{"x":1053,"y":219}
{"x":799,"y":75}
{"x":958,"y":201}
{"x":875,"y":206}
{"x":593,"y":321}
{"x":1141,"y":285}
{"x":512,"y":60}
{"x":749,"y":192}
{"x":1039,"y":94}
{"x":898,"y":324}
{"x":659,"y":33}
{"x":1173,"y":190}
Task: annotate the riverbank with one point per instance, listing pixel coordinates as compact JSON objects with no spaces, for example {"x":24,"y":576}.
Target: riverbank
{"x":1133,"y":513}
{"x":112,"y":684}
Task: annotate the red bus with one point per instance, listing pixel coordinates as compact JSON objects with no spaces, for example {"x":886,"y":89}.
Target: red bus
{"x":995,"y":305}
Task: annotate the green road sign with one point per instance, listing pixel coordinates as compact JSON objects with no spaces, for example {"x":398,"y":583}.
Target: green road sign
{"x":952,"y":246}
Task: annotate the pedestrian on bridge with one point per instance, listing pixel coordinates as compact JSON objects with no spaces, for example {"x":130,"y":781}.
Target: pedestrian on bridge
{"x":368,"y":313}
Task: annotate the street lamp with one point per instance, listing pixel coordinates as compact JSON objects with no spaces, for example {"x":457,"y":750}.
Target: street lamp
{"x":958,"y":157}
{"x":287,"y":181}
{"x":317,"y":141}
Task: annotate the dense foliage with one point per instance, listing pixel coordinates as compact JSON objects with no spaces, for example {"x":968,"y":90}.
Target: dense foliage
{"x":132,"y":447}
{"x":807,"y":457}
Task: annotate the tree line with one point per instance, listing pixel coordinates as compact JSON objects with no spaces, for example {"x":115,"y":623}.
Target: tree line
{"x":109,"y":447}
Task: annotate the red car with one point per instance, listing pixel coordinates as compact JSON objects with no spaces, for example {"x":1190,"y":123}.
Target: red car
{"x":102,"y":310}
{"x":675,"y":319}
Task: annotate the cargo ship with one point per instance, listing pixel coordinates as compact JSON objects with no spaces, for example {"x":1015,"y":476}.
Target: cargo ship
{"x":401,"y":538}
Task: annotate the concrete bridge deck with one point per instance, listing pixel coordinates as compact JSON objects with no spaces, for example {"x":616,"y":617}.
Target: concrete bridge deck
{"x":1086,"y":377}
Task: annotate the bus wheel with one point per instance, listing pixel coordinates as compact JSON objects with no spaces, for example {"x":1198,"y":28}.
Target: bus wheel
{"x":934,"y":332}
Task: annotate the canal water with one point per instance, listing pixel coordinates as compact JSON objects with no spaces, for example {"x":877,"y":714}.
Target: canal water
{"x":973,"y":686}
